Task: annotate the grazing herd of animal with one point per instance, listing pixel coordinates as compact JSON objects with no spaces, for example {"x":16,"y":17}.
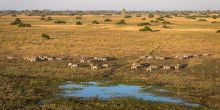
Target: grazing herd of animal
{"x":91,"y":62}
{"x":101,"y":62}
{"x":149,"y":67}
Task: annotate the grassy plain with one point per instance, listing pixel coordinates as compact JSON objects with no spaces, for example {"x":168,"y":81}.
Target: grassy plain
{"x":24,"y":85}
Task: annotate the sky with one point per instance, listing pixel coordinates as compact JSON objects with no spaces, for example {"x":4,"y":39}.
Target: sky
{"x":110,"y":4}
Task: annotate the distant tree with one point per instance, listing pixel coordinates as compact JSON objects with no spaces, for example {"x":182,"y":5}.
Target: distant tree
{"x":107,"y":20}
{"x":60,"y":22}
{"x":124,"y":11}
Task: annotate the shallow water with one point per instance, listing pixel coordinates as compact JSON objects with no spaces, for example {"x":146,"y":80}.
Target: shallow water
{"x":96,"y":89}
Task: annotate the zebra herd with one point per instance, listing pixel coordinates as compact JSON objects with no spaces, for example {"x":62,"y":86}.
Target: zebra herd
{"x":91,"y":63}
{"x":149,"y":67}
{"x":101,"y":62}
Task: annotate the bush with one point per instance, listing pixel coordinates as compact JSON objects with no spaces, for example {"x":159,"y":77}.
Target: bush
{"x":16,"y":22}
{"x":146,"y":28}
{"x":107,"y":20}
{"x":60,"y":22}
{"x":151,"y":16}
{"x":127,"y":16}
{"x":143,"y":19}
{"x":165,"y":26}
{"x":42,"y":18}
{"x":95,"y":22}
{"x":160,"y":19}
{"x":214,"y":17}
{"x":46,"y":36}
{"x":202,"y":20}
{"x":144,"y":24}
{"x":49,"y":18}
{"x":78,"y":17}
{"x":24,"y":25}
{"x":190,"y":17}
{"x":166,"y":22}
{"x":121,"y":22}
{"x":218,"y":31}
{"x":78,"y":23}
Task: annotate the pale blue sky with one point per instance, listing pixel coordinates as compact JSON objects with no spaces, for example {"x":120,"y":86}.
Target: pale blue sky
{"x":110,"y":4}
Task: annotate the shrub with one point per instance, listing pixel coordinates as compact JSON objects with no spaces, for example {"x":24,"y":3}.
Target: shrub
{"x":151,"y":16}
{"x":143,"y":19}
{"x":160,"y":19}
{"x":202,"y":20}
{"x":144,"y":24}
{"x":24,"y":25}
{"x":107,"y":20}
{"x":60,"y":22}
{"x":45,"y":36}
{"x":146,"y":28}
{"x":165,"y":26}
{"x":78,"y":17}
{"x":16,"y":21}
{"x":166,"y":22}
{"x":218,"y":31}
{"x":95,"y":22}
{"x":49,"y":18}
{"x":214,"y":16}
{"x":42,"y":18}
{"x":127,"y":16}
{"x":190,"y":17}
{"x":121,"y":22}
{"x":78,"y":23}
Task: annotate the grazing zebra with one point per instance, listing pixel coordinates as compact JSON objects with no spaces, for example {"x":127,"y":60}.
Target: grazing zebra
{"x":105,"y":65}
{"x":93,"y":67}
{"x":9,"y":57}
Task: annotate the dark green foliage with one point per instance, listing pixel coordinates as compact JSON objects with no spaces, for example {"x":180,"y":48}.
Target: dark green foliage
{"x":202,"y":20}
{"x":107,"y":20}
{"x":16,"y":21}
{"x":78,"y":23}
{"x":144,"y":24}
{"x":121,"y":22}
{"x":218,"y":31}
{"x":127,"y":16}
{"x":95,"y":22}
{"x":60,"y":22}
{"x":45,"y":36}
{"x":24,"y":25}
{"x":146,"y":28}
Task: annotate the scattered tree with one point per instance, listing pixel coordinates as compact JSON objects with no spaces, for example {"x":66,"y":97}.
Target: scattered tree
{"x":144,"y":24}
{"x":16,"y":21}
{"x":60,"y":22}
